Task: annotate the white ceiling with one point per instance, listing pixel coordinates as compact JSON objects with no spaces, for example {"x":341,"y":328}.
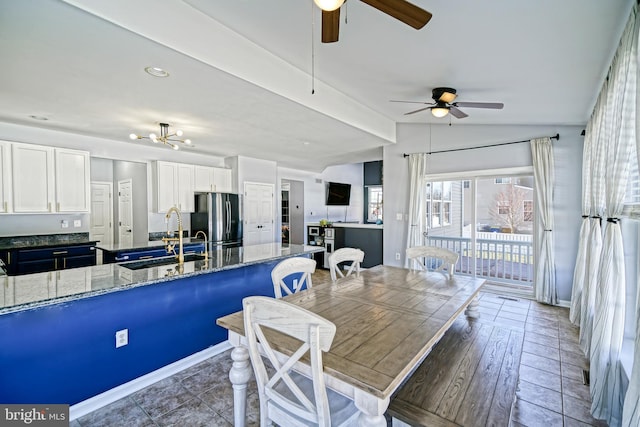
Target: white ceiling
{"x":241,"y":70}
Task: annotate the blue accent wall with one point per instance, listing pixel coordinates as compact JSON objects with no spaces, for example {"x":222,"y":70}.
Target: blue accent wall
{"x":65,"y":353}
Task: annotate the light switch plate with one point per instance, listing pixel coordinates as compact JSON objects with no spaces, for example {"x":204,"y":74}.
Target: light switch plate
{"x":399,"y":216}
{"x":64,"y":223}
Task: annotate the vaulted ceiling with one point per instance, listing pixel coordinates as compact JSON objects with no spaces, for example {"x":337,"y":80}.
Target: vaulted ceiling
{"x":250,"y":77}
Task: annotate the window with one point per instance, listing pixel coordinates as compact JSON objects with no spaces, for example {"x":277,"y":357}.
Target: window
{"x":374,"y":210}
{"x":439,"y":203}
{"x":527,"y":207}
{"x":503,"y":207}
{"x":503,"y":180}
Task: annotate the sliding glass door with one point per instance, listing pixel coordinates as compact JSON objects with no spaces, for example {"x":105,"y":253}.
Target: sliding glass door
{"x":488,"y":220}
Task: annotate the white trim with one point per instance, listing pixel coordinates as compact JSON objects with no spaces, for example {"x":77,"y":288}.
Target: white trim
{"x":96,"y":402}
{"x":564,"y":303}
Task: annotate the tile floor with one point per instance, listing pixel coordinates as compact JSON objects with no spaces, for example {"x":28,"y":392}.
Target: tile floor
{"x":550,"y":391}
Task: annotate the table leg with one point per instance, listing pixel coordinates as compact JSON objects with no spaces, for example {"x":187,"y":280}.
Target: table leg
{"x":472,"y":309}
{"x":371,"y":409}
{"x":239,"y":375}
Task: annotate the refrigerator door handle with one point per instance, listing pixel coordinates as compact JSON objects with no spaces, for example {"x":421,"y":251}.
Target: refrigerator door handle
{"x":228,"y":222}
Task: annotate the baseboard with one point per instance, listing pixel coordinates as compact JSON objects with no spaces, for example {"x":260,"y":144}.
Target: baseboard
{"x":96,"y":402}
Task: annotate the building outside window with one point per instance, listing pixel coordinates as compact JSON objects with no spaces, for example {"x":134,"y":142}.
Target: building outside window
{"x":374,"y":210}
{"x":527,"y":207}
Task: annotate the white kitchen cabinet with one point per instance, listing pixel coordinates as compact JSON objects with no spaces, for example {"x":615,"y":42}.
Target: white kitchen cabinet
{"x":32,"y":178}
{"x":204,"y":179}
{"x":49,"y":180}
{"x":222,"y":180}
{"x":6,"y":204}
{"x":174,"y":184}
{"x":186,"y":202}
{"x":209,"y":178}
{"x":73,"y":191}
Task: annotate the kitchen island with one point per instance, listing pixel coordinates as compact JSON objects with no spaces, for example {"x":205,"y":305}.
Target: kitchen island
{"x":58,"y":328}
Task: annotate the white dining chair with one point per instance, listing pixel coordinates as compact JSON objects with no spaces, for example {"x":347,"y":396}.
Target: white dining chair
{"x":418,"y":254}
{"x":287,"y":398}
{"x":288,"y":267}
{"x":356,"y":256}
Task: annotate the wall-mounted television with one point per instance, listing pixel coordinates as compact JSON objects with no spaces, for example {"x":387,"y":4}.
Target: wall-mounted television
{"x":338,"y":194}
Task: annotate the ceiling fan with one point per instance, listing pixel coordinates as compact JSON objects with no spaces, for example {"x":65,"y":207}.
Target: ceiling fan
{"x":400,"y":9}
{"x":444,"y":104}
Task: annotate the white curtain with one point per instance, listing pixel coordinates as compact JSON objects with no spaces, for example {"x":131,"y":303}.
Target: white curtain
{"x":594,"y":162}
{"x":607,"y":387}
{"x":417,"y":172}
{"x":543,"y":175}
{"x":631,"y":411}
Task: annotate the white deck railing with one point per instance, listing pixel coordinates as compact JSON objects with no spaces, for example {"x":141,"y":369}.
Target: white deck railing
{"x":496,"y":257}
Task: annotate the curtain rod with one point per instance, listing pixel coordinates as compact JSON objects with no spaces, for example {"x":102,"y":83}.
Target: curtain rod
{"x":556,"y":136}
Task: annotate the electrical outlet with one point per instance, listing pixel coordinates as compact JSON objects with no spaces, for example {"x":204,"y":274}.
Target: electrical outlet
{"x":64,"y":223}
{"x":77,"y":223}
{"x":398,"y":217}
{"x":397,"y":256}
{"x":122,"y":338}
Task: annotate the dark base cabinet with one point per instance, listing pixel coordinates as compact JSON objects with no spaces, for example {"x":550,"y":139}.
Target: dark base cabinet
{"x":368,"y":240}
{"x":38,"y":260}
{"x":125,"y":255}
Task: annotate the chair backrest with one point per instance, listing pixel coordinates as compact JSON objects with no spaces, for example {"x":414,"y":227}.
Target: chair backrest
{"x":287,"y":267}
{"x":418,"y":254}
{"x":278,"y":390}
{"x":345,"y":254}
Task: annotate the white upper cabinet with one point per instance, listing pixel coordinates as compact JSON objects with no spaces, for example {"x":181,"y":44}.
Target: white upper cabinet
{"x":186,"y":202}
{"x":49,"y":180}
{"x":204,"y":179}
{"x":6,"y":204}
{"x":212,"y":179}
{"x":33,"y":178}
{"x":222,"y":180}
{"x":174,"y":184}
{"x":73,"y":192}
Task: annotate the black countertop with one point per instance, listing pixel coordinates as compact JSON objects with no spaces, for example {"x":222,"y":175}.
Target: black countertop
{"x":45,"y":240}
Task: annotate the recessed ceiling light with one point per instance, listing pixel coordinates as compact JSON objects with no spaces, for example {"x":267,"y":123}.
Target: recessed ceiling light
{"x":34,"y":117}
{"x":156,"y":72}
{"x":306,"y":143}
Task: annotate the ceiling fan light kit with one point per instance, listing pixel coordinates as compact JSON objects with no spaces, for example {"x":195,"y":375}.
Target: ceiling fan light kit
{"x":165,"y":137}
{"x":329,"y":5}
{"x":444,"y":103}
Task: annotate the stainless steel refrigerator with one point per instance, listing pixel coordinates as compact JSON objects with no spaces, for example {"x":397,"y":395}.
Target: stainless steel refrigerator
{"x":219,"y":215}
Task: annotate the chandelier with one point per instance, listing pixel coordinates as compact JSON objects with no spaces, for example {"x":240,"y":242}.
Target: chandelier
{"x":165,"y":137}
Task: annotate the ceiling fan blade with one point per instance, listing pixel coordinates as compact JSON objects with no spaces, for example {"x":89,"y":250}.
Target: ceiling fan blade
{"x":457,"y":113}
{"x":413,"y":102}
{"x":494,"y":105}
{"x":403,"y":11}
{"x":330,"y":25}
{"x":417,"y":111}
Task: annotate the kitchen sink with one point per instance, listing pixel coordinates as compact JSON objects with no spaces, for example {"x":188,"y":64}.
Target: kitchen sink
{"x":156,"y":262}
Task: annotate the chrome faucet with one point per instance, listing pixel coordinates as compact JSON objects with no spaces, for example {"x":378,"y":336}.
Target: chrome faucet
{"x":168,"y":239}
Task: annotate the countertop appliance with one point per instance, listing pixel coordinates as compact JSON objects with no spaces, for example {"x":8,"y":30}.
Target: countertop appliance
{"x":219,"y":215}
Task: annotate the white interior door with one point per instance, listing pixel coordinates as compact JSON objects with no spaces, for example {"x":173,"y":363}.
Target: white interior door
{"x":125,"y":213}
{"x":101,"y":218}
{"x":259,"y":213}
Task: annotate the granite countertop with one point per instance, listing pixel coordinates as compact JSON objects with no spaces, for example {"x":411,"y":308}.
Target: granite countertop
{"x":44,"y":241}
{"x":115,"y":247}
{"x":31,"y":291}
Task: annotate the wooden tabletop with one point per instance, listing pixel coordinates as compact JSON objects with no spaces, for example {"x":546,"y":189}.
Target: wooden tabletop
{"x":387,"y":320}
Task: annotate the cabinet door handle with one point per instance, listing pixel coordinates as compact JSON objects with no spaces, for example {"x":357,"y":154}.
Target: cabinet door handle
{"x":64,"y":263}
{"x":49,"y":206}
{"x":60,"y":252}
{"x":58,"y":207}
{"x":55,"y":264}
{"x":146,"y":257}
{"x":6,"y":206}
{"x":8,"y":258}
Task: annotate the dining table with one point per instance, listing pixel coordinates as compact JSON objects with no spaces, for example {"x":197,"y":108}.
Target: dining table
{"x":387,"y":320}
